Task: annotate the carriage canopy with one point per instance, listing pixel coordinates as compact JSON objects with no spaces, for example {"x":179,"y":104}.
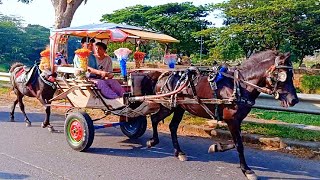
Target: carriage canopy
{"x":114,"y":32}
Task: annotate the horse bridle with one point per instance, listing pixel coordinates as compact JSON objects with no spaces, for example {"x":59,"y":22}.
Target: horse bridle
{"x":275,"y":76}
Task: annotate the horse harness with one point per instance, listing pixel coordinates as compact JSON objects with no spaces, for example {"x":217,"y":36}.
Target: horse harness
{"x":192,"y":74}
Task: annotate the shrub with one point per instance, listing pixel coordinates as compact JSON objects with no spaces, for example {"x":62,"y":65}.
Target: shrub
{"x":310,"y":84}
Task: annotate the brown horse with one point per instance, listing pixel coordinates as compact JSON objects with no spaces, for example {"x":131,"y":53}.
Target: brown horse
{"x":267,"y":71}
{"x":32,"y":83}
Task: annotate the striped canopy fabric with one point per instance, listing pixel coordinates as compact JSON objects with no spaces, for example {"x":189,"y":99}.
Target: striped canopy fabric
{"x":114,"y":32}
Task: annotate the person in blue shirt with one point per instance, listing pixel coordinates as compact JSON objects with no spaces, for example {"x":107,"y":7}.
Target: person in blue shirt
{"x":87,"y":42}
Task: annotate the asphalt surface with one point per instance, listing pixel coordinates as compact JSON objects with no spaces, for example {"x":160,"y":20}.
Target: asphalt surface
{"x":35,"y":153}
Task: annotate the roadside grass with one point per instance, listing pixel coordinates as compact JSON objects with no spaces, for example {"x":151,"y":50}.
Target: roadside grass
{"x":289,"y":117}
{"x":4,"y":90}
{"x":280,"y":131}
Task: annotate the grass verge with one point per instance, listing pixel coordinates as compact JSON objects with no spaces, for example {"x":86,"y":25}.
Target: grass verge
{"x":280,"y":131}
{"x":3,"y":89}
{"x":289,"y":117}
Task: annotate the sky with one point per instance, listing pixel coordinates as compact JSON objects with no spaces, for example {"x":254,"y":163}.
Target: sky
{"x":41,"y":11}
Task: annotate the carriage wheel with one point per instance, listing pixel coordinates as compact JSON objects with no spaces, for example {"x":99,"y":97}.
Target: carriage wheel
{"x":79,"y":130}
{"x":135,"y":127}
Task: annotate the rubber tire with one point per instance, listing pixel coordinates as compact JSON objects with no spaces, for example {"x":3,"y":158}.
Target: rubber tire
{"x":135,"y":127}
{"x":88,"y":131}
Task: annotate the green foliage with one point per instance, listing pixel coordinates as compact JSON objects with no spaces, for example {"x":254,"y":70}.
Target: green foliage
{"x":113,"y":46}
{"x":174,"y":19}
{"x":311,"y":84}
{"x":258,"y":25}
{"x":195,"y":59}
{"x":289,"y":117}
{"x":156,"y":52}
{"x":4,"y":68}
{"x":20,"y":43}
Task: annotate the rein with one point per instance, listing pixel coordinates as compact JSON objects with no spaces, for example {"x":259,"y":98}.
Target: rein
{"x":260,"y":89}
{"x":281,"y":77}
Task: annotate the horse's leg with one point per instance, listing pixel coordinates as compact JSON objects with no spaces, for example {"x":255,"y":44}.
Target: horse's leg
{"x":234,"y":127}
{"x":174,"y":124}
{"x":46,"y":122}
{"x":26,"y":119}
{"x":13,"y":107}
{"x":155,"y":119}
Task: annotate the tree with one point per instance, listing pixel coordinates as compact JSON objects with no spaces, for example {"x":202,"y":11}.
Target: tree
{"x":20,"y":43}
{"x":64,"y":11}
{"x":174,"y":19}
{"x":287,"y":25}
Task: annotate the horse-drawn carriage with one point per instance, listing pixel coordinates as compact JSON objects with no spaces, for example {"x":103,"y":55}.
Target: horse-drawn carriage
{"x":222,"y":94}
{"x":83,"y":93}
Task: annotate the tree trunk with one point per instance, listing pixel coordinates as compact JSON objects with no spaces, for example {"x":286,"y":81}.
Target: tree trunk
{"x":64,"y":11}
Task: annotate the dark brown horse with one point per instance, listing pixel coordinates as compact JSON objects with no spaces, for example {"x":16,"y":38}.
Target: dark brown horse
{"x":32,"y":83}
{"x":268,"y":71}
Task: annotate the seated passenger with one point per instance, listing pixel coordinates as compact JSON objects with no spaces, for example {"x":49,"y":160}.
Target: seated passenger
{"x":110,"y":88}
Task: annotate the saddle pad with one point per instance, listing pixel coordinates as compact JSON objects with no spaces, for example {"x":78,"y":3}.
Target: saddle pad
{"x":19,"y":72}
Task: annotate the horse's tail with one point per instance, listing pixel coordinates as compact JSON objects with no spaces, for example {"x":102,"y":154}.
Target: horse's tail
{"x":15,"y":65}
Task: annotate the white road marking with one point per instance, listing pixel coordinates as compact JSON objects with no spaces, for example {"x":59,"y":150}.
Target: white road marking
{"x":37,"y":167}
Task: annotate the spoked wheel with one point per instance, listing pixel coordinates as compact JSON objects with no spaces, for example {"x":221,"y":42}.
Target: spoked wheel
{"x":135,"y":127}
{"x":79,"y":130}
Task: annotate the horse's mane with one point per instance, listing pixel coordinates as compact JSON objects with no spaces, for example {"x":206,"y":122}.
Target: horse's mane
{"x":258,"y":62}
{"x":15,"y":65}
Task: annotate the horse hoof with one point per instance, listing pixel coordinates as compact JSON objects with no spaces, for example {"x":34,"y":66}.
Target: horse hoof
{"x":214,"y":148}
{"x":28,"y":124}
{"x":11,"y":120}
{"x":43,"y":126}
{"x":149,"y":144}
{"x":251,"y":175}
{"x":51,"y":129}
{"x":182,"y":157}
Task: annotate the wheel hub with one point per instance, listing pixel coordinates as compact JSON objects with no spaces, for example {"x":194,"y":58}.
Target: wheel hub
{"x":76,"y":130}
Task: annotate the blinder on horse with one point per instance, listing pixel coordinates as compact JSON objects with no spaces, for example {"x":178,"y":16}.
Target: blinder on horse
{"x":275,"y":75}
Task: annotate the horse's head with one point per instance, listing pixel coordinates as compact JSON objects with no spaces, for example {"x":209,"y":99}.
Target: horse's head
{"x":280,"y":80}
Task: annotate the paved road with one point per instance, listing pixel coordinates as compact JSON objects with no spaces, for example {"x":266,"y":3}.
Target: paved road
{"x":34,"y":153}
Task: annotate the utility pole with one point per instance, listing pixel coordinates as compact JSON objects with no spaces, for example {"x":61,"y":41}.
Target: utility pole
{"x":201,"y":46}
{"x":201,"y":42}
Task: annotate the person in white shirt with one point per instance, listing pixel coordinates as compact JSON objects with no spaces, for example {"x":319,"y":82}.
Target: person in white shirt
{"x":110,"y":88}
